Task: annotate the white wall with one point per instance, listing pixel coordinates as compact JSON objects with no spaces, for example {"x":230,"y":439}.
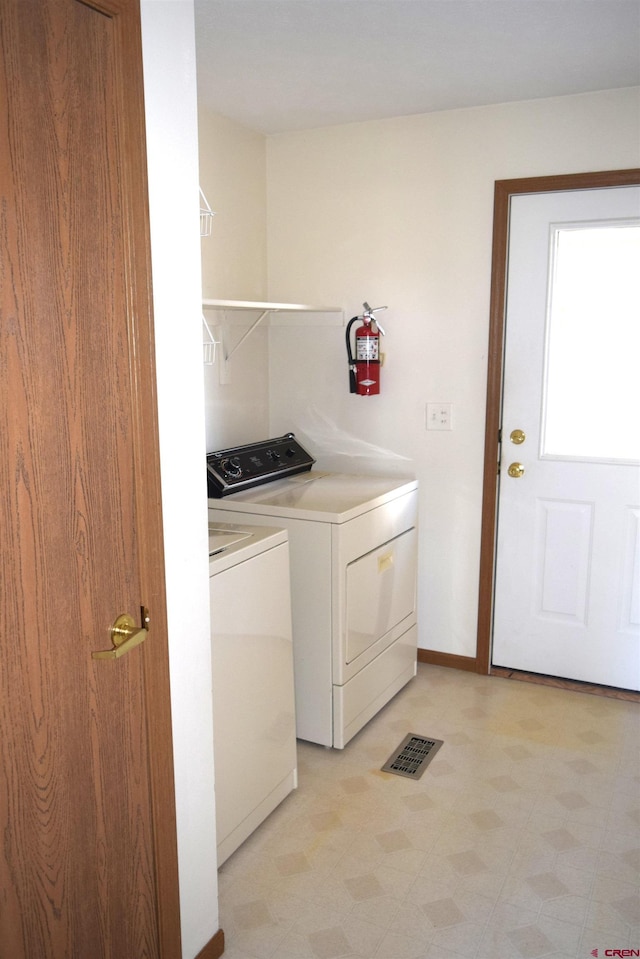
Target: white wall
{"x":234,"y":266}
{"x":172,"y":141}
{"x":399,"y":212}
{"x":233,"y":178}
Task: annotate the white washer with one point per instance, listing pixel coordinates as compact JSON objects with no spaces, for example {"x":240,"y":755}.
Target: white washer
{"x":353,"y":542}
{"x":252,"y":668}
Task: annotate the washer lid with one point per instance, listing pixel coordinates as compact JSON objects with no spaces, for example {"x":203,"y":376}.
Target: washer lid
{"x":323,"y":497}
{"x":221,"y":539}
{"x":233,"y":543}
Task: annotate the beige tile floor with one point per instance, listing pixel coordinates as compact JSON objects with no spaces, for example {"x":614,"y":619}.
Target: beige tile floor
{"x":521,"y":839}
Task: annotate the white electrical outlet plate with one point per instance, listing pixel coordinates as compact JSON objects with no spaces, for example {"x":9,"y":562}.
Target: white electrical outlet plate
{"x":439,"y":416}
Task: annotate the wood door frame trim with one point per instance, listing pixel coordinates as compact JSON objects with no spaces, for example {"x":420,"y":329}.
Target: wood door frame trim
{"x":144,"y":414}
{"x":504,"y":191}
{"x":214,"y":948}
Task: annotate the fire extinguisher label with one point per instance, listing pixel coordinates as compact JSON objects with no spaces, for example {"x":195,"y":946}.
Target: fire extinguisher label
{"x":367,"y":348}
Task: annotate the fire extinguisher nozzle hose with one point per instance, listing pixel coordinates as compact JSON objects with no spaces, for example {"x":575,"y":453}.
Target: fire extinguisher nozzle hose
{"x":353,"y":386}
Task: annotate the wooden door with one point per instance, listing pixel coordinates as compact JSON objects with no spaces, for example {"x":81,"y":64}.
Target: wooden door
{"x":88,"y":864}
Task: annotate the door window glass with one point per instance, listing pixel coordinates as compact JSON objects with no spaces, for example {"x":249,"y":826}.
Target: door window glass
{"x":591,"y":406}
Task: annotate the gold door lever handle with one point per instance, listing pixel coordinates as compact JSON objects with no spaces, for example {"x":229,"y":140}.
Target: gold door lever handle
{"x":125,"y":636}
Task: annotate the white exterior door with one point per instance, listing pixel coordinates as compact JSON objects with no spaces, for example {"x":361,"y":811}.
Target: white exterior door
{"x":567,"y":586}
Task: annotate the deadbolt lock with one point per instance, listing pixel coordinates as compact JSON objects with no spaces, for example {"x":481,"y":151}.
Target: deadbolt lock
{"x":516,"y":470}
{"x":517,"y":437}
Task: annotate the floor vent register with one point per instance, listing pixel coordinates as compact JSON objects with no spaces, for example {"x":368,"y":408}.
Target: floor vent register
{"x":412,"y":756}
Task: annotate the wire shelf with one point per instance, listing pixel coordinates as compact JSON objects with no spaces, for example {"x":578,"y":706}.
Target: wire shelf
{"x":206,"y":216}
{"x":209,"y":344}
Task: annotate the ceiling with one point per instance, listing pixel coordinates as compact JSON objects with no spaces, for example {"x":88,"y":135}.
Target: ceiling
{"x":282,"y":65}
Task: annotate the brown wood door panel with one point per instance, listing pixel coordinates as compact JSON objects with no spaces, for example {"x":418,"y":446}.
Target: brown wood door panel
{"x":88,"y":863}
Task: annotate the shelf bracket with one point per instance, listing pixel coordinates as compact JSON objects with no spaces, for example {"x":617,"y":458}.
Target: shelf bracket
{"x":248,"y":333}
{"x":264,"y":310}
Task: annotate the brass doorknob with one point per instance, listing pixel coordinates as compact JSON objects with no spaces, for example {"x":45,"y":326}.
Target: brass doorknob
{"x":516,"y":470}
{"x":517,"y":437}
{"x":125,"y":636}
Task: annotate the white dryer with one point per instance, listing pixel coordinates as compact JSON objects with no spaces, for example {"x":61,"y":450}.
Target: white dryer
{"x":353,"y":547}
{"x":252,"y":672}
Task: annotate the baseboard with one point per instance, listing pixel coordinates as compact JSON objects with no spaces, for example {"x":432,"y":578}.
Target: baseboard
{"x":435,"y":658}
{"x":214,"y":948}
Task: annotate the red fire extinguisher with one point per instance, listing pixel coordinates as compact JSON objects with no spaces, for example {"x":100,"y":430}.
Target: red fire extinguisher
{"x":364,"y":370}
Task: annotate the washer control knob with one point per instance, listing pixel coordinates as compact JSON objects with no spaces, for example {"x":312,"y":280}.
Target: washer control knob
{"x":231,"y":467}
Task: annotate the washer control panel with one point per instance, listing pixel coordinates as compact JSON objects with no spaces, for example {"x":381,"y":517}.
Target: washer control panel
{"x":242,"y":467}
